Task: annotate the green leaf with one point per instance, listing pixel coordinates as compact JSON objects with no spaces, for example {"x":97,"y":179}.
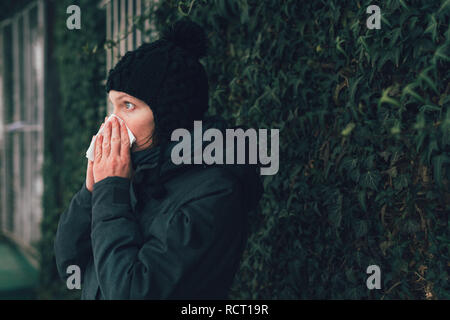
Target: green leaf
{"x":408,"y":89}
{"x":438,"y":163}
{"x":335,"y":212}
{"x":396,"y":129}
{"x":419,"y":140}
{"x":348,"y":163}
{"x":361,"y":228}
{"x":403,"y":4}
{"x":362,"y":199}
{"x":338,"y":45}
{"x":370,"y":179}
{"x":385,"y":98}
{"x":432,"y":146}
{"x":423,"y":76}
{"x":350,"y":275}
{"x":348,"y":129}
{"x":354,"y":175}
{"x":395,"y":34}
{"x":432,"y":28}
{"x":244,"y":11}
{"x":445,"y":6}
{"x":430,"y":108}
{"x":354,"y":87}
{"x":362,"y":42}
{"x":385,"y":20}
{"x":440,"y":53}
{"x":420,"y":122}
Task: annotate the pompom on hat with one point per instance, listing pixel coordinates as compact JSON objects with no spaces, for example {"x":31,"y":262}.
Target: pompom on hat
{"x":167,"y":75}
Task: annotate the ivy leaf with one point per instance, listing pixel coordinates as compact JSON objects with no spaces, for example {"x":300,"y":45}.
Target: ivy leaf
{"x":338,"y":45}
{"x":400,"y":182}
{"x":361,"y":228}
{"x":395,"y":34}
{"x":438,"y":162}
{"x":369,"y":162}
{"x":354,"y":175}
{"x":387,"y":99}
{"x":244,"y":12}
{"x":432,"y":146}
{"x":362,"y":199}
{"x":423,"y":76}
{"x":440,"y":53}
{"x":430,"y":108}
{"x":347,"y":164}
{"x":354,"y":87}
{"x":370,"y":179}
{"x":432,"y":28}
{"x":408,"y":90}
{"x":446,"y":4}
{"x":348,"y":129}
{"x":335,"y":212}
{"x":350,"y":275}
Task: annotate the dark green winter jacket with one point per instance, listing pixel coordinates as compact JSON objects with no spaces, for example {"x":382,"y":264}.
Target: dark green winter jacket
{"x":185,"y":245}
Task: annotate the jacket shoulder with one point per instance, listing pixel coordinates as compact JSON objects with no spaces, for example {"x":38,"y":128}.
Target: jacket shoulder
{"x":213,"y":178}
{"x":203,"y":182}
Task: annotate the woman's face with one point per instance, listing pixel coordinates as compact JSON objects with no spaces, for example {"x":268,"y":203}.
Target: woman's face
{"x":137,"y":116}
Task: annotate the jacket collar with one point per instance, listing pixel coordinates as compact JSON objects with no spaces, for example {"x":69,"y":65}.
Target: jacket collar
{"x":145,"y":164}
{"x":146,"y":156}
{"x":142,"y":161}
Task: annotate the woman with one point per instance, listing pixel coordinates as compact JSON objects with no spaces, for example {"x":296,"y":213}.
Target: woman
{"x":142,"y":227}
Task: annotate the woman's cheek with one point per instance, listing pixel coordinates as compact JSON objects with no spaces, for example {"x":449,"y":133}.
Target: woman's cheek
{"x":138,"y":127}
{"x":140,"y":122}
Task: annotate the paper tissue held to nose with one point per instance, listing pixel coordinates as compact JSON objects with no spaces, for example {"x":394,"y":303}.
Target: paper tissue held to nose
{"x":90,"y":151}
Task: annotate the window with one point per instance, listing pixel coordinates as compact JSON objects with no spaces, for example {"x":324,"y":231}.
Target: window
{"x":21,"y":124}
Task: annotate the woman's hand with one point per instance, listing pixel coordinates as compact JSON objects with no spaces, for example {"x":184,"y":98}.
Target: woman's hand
{"x":90,"y":176}
{"x":89,"y":172}
{"x":112,"y":152}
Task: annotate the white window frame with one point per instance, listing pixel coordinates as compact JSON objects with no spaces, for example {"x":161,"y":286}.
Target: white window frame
{"x":27,"y":213}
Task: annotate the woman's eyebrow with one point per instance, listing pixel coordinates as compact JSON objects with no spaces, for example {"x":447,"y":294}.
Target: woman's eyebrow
{"x":125,"y":97}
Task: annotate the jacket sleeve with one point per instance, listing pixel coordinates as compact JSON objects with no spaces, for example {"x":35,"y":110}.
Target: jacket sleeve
{"x":131,"y":267}
{"x":72,"y":245}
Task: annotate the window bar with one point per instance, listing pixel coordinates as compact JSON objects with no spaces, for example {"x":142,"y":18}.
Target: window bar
{"x":108,"y":36}
{"x":109,"y":51}
{"x":8,"y":191}
{"x":147,"y":20}
{"x":16,"y":231}
{"x":2,"y":142}
{"x":22,"y":212}
{"x":115,"y":30}
{"x":130,"y":36}
{"x":123,"y":27}
{"x":153,"y":33}
{"x":138,"y":31}
{"x":27,"y":135}
{"x":40,"y":133}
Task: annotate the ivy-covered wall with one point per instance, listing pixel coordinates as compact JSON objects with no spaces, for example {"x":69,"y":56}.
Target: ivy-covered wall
{"x":364,"y":125}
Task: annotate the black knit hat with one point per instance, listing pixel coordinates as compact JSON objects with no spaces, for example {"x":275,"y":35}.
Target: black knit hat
{"x":167,"y":75}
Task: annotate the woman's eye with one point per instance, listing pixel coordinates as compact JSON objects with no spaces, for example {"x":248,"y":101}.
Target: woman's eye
{"x":129,"y":105}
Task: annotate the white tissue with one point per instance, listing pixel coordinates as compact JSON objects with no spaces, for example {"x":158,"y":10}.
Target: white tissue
{"x":90,"y":151}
